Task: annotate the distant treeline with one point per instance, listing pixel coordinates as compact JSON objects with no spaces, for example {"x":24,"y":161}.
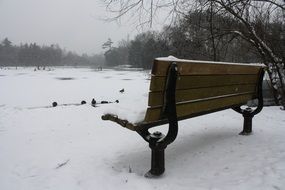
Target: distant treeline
{"x":35,"y":55}
{"x":199,"y":35}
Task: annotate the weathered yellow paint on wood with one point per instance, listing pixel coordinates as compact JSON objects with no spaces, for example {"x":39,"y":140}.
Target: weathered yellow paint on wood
{"x":188,"y":109}
{"x":156,"y":98}
{"x":195,"y":68}
{"x":190,"y":82}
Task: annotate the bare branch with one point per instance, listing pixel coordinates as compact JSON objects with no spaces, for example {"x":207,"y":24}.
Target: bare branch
{"x":279,"y":5}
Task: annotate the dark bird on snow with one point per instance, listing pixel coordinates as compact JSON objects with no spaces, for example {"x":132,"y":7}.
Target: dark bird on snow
{"x":83,"y":102}
{"x":54,"y":104}
{"x":122,"y":90}
{"x":93,"y":102}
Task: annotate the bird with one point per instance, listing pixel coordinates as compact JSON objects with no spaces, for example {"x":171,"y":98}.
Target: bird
{"x":122,"y":90}
{"x":93,"y":102}
{"x":54,"y":104}
{"x":83,"y":102}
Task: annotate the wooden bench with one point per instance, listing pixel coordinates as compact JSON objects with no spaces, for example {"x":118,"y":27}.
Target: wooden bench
{"x":183,"y":89}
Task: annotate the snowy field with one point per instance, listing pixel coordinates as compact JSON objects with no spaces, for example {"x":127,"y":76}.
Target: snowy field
{"x":70,"y":147}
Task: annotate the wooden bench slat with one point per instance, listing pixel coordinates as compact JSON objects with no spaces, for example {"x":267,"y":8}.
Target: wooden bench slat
{"x":186,"y":110}
{"x":202,"y":68}
{"x":156,"y":98}
{"x":190,"y":82}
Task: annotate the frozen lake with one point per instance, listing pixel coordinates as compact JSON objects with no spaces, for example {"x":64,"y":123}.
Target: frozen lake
{"x":70,"y":147}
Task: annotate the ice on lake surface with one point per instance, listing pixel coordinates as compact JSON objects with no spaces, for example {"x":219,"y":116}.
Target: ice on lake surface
{"x":39,"y":88}
{"x":70,"y":147}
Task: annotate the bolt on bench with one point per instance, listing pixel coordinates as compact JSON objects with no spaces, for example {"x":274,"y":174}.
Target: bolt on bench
{"x":182,"y":89}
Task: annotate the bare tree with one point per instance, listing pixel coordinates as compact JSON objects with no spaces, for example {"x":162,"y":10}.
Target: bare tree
{"x":250,"y":14}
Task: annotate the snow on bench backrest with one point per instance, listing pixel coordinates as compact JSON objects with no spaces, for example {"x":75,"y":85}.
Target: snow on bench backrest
{"x":202,"y":86}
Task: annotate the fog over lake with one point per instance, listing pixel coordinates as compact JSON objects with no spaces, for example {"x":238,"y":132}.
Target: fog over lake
{"x":73,"y":24}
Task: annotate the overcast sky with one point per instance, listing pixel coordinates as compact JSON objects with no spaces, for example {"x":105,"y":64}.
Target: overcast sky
{"x":76,"y":25}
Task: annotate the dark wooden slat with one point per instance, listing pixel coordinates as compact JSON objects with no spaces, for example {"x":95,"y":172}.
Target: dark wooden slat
{"x":190,"y":82}
{"x":146,"y":125}
{"x":204,"y":68}
{"x":188,"y":109}
{"x":156,"y":98}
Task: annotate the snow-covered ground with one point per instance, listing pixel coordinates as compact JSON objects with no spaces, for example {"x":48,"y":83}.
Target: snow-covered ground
{"x":70,"y":147}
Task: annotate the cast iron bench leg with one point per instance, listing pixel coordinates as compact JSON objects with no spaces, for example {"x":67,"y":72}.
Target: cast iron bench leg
{"x":248,"y":113}
{"x":247,"y":123}
{"x":157,"y":141}
{"x":157,"y":155}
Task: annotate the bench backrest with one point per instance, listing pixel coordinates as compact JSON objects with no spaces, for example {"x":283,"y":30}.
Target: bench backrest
{"x":202,"y":87}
